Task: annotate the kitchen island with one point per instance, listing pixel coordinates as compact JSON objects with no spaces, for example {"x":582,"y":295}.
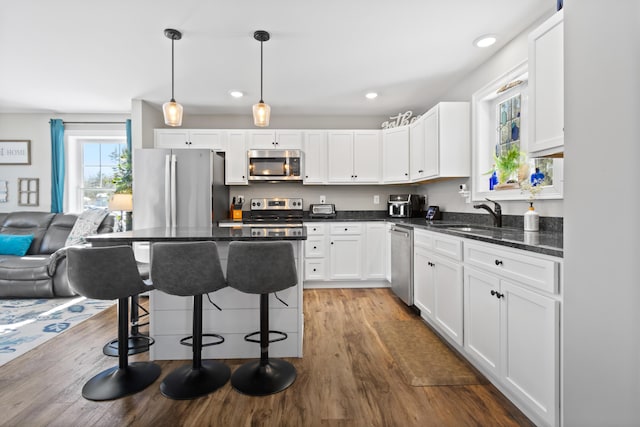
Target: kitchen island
{"x":170,"y":316}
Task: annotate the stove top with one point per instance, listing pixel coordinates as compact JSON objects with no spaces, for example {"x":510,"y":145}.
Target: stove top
{"x":275,"y":211}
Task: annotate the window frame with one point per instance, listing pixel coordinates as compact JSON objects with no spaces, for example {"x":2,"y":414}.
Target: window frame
{"x":73,"y":142}
{"x":483,"y":117}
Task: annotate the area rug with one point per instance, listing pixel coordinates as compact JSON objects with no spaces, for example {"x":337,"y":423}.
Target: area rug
{"x":422,"y":357}
{"x":27,"y":323}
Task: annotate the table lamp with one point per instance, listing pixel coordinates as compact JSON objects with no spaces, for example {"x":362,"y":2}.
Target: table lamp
{"x":124,"y":203}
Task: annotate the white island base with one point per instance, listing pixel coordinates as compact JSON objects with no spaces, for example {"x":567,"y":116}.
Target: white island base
{"x":171,"y":319}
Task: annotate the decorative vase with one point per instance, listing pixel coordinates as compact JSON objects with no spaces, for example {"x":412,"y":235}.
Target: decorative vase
{"x":531,"y":219}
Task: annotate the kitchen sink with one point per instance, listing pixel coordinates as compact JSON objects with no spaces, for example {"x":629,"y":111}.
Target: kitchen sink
{"x":479,"y":230}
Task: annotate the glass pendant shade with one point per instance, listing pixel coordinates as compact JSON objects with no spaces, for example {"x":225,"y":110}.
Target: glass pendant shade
{"x":172,"y":113}
{"x":261,"y":114}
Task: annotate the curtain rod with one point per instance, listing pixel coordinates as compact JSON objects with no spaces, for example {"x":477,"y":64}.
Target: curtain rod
{"x":93,"y":123}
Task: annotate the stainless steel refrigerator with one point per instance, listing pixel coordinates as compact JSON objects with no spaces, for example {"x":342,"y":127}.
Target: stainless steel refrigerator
{"x":178,"y":187}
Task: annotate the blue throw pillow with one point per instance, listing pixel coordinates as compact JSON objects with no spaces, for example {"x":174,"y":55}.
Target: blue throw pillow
{"x":12,"y":244}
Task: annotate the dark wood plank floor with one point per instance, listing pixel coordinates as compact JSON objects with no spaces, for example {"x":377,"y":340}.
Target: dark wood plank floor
{"x":346,"y":378}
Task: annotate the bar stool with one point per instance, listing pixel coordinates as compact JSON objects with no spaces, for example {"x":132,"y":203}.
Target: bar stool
{"x":109,"y":273}
{"x":262,"y":268}
{"x":191,"y":269}
{"x":137,"y":341}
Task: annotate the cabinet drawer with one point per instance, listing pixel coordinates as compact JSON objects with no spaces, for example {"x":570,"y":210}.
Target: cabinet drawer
{"x":537,"y":272}
{"x":423,"y":239}
{"x":314,"y":247}
{"x":314,"y":269}
{"x":346,"y":228}
{"x":314,"y":228}
{"x":448,"y":246}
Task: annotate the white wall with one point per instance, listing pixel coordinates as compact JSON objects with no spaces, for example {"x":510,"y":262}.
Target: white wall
{"x":601,"y":318}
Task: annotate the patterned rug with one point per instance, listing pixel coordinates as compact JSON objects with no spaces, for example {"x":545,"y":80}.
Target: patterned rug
{"x":27,"y":323}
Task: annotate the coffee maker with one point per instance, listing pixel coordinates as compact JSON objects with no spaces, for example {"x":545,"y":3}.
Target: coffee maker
{"x":405,"y":205}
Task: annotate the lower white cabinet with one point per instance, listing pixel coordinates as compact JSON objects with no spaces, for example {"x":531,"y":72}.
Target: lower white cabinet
{"x":511,"y":332}
{"x":438,"y":282}
{"x":339,"y":254}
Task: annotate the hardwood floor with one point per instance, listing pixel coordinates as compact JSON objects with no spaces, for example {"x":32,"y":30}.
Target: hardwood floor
{"x":346,"y":378}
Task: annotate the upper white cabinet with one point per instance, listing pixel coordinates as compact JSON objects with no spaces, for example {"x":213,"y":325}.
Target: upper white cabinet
{"x":315,"y":157}
{"x":395,"y":145}
{"x":236,"y":159}
{"x":275,"y":139}
{"x":353,"y":157}
{"x":546,"y":87}
{"x":190,"y":138}
{"x":417,"y":150}
{"x":447,"y":141}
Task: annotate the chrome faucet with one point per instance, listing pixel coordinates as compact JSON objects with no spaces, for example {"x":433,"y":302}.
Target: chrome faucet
{"x":497,"y":214}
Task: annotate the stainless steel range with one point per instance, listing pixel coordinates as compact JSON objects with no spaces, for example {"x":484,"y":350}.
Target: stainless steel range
{"x":275,"y":212}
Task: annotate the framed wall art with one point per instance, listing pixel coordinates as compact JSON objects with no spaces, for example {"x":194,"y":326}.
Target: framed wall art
{"x":28,"y":191}
{"x":15,"y":152}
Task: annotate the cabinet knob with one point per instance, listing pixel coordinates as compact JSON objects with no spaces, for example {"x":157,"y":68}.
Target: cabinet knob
{"x":420,"y":171}
{"x":406,"y":174}
{"x":498,"y":262}
{"x":315,"y":247}
{"x":332,"y":243}
{"x":497,"y":294}
{"x":315,"y":269}
{"x":306,"y":176}
{"x":430,"y":264}
{"x":346,"y":229}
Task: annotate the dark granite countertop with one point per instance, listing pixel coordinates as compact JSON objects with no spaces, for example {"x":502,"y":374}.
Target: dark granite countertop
{"x":214,"y":233}
{"x":547,"y":242}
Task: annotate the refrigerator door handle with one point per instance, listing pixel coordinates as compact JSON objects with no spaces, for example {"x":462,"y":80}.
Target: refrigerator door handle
{"x":173,"y":190}
{"x":167,"y":191}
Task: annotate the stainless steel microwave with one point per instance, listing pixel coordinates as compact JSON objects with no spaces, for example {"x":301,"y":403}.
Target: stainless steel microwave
{"x":275,"y":165}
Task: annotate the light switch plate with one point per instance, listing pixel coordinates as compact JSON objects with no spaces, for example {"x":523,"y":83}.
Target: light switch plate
{"x":376,"y":199}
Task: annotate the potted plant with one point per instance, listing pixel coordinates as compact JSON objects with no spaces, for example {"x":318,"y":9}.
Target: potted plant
{"x":509,"y":166}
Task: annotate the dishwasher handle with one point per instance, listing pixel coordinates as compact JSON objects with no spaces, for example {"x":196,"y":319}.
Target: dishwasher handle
{"x":399,"y":230}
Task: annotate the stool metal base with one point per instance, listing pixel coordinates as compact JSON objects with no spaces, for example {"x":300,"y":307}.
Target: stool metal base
{"x":117,"y":382}
{"x":261,"y":378}
{"x":136,"y":344}
{"x":186,"y":382}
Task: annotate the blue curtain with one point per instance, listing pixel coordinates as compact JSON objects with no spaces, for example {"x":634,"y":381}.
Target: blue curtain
{"x":57,"y":165}
{"x":128,"y":124}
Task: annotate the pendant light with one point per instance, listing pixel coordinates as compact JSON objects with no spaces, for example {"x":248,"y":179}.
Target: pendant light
{"x":261,"y":111}
{"x":172,"y":110}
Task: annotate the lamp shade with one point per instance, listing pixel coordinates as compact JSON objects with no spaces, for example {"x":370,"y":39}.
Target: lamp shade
{"x":261,"y":114}
{"x":172,"y":113}
{"x":121,"y":202}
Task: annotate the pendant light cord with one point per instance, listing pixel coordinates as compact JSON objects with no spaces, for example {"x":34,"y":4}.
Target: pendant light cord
{"x":261,"y":101}
{"x":172,"y":97}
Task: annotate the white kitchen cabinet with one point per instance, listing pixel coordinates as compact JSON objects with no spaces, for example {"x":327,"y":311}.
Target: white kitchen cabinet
{"x":375,"y":259}
{"x":315,"y":252}
{"x":275,"y":139}
{"x":315,"y":157}
{"x":190,"y":138}
{"x":546,"y":87}
{"x":438,"y":282}
{"x":512,"y":331}
{"x":395,"y":146}
{"x":345,"y":251}
{"x":236,"y":159}
{"x":353,"y":157}
{"x":417,"y":150}
{"x":447,"y":140}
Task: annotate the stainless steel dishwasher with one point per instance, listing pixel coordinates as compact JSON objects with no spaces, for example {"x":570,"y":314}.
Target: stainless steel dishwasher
{"x":402,"y":262}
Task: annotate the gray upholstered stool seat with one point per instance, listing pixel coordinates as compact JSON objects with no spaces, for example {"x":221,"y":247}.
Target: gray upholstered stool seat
{"x":262,"y":268}
{"x":109,"y":273}
{"x":191,"y":269}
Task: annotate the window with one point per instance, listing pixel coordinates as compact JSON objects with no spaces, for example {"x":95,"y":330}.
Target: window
{"x":500,"y":160}
{"x":92,"y":159}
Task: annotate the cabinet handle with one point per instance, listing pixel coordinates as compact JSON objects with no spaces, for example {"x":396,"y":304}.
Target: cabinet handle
{"x":498,"y":262}
{"x":420,"y":171}
{"x":497,"y":294}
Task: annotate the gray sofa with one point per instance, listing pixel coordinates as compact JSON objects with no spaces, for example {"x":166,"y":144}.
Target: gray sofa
{"x":42,"y":272}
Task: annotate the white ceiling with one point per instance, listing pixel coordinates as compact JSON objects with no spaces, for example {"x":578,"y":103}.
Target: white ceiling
{"x":82,"y":56}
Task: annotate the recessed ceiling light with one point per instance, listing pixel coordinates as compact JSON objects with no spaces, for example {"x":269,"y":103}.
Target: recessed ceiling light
{"x":236,"y":94}
{"x":371,"y":95}
{"x":485,"y":41}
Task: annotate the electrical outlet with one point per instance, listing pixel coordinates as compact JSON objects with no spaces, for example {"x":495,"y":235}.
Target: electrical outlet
{"x":376,"y":199}
{"x":323,"y":199}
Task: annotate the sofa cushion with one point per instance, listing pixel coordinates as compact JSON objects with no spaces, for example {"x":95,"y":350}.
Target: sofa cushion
{"x":86,"y":224}
{"x":35,"y":223}
{"x":25,"y":277}
{"x":15,"y":244}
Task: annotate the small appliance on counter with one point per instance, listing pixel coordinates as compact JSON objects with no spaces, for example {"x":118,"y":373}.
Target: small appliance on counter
{"x":325,"y":210}
{"x":433,"y":213}
{"x":405,"y":205}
